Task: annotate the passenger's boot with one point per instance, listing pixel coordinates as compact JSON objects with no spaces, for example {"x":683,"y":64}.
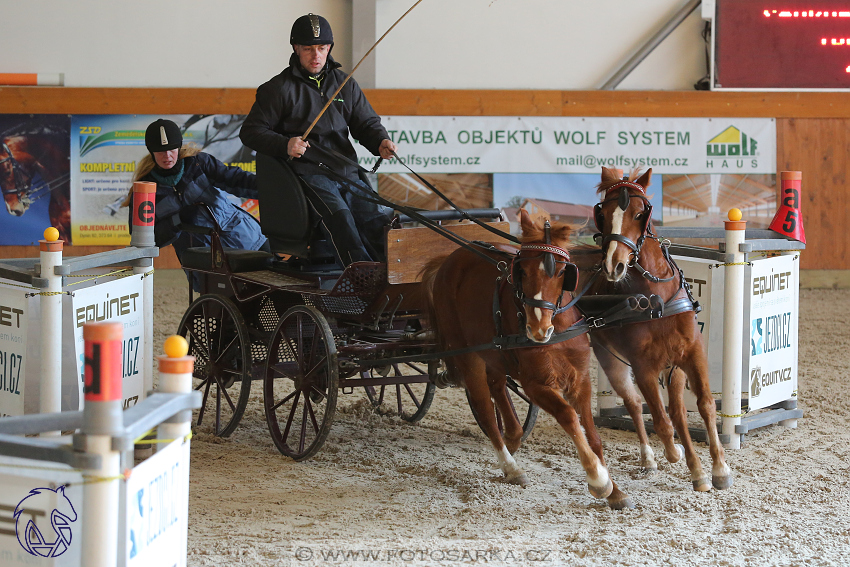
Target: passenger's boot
{"x":346,"y":239}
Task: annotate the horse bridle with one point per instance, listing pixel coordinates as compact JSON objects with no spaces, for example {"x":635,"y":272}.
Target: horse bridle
{"x":21,"y":187}
{"x":623,"y":199}
{"x":548,"y":252}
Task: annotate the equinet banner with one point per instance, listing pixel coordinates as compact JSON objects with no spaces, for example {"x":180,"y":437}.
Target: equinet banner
{"x":540,"y":144}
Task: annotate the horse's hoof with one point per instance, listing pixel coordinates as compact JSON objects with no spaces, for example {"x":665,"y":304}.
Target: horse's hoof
{"x":621,"y":504}
{"x":675,"y":458}
{"x":520,"y":480}
{"x":601,"y":491}
{"x":722,"y":482}
{"x":701,"y":485}
{"x":648,"y":468}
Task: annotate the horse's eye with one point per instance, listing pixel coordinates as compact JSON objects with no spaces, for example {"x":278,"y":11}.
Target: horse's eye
{"x":561,"y":273}
{"x":639,"y":216}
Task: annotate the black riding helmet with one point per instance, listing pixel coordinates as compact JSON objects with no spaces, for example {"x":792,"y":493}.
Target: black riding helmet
{"x":311,"y":30}
{"x":163,"y":135}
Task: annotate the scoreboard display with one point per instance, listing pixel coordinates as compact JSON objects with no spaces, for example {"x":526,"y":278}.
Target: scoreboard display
{"x":781,"y":44}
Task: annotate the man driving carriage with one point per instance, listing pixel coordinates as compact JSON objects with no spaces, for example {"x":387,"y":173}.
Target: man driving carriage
{"x":284,"y":108}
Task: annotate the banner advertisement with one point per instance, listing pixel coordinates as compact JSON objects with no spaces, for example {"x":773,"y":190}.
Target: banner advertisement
{"x":770,"y":361}
{"x":555,"y":144}
{"x":121,"y":301}
{"x":34,"y":177}
{"x":157,"y":504}
{"x":105,"y":151}
{"x":14,"y":323}
{"x":41,"y":514}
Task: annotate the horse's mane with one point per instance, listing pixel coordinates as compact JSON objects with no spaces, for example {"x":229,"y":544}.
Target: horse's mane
{"x":560,"y":233}
{"x":35,"y":129}
{"x":603,"y":185}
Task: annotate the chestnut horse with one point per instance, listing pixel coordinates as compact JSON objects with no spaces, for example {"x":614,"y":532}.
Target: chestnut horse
{"x":471,"y":301}
{"x":635,"y":262}
{"x":33,"y":166}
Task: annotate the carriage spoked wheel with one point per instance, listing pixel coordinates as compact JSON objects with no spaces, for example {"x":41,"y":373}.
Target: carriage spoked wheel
{"x":301,"y":382}
{"x":411,"y":400}
{"x":524,"y":410}
{"x":218,"y":339}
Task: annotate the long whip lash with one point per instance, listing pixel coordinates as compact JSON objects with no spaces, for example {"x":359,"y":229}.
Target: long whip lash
{"x":331,"y":99}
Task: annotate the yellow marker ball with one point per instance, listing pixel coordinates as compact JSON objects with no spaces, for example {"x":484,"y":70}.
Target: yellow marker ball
{"x":175,"y":346}
{"x":51,"y":234}
{"x":735,"y":214}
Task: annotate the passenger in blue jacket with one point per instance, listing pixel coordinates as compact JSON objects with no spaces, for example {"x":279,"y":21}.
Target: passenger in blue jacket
{"x":184,"y":177}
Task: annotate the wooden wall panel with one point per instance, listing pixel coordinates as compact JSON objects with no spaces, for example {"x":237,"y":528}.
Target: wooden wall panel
{"x":820,"y":149}
{"x":812,"y":129}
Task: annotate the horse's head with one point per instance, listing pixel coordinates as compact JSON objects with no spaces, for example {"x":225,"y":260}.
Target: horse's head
{"x":542,"y":273}
{"x":15,"y":174}
{"x":622,"y":217}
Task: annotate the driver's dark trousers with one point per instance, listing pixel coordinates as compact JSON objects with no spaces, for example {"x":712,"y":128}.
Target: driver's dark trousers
{"x":356,"y":226}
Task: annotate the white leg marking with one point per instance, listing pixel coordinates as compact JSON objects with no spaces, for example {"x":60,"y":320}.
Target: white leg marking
{"x":601,"y":477}
{"x":616,"y":228}
{"x":537,"y":312}
{"x":721,"y":469}
{"x":508,"y":464}
{"x":647,"y":458}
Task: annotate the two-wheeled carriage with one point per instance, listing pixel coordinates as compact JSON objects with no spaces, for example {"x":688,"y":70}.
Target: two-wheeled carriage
{"x":308,"y":329}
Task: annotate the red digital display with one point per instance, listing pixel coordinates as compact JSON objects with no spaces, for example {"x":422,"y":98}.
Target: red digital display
{"x":776,"y":44}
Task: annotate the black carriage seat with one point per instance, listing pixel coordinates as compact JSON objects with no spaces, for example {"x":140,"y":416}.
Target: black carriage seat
{"x":286,"y":216}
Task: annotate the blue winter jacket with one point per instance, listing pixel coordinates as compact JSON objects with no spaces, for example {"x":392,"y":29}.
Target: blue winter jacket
{"x":204,"y":180}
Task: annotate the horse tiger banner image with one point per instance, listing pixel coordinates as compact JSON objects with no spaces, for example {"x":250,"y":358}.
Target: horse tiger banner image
{"x":34,"y":177}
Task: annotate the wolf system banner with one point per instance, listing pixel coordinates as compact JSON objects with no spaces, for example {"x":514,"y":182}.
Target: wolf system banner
{"x":554,"y":144}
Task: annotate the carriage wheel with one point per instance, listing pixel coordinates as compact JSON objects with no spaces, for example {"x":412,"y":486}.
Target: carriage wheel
{"x":301,"y":382}
{"x":521,"y":406}
{"x":411,"y":401}
{"x":218,"y":339}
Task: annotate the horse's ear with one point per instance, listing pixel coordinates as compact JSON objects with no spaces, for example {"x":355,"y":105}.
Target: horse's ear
{"x":643,"y":180}
{"x":609,"y":175}
{"x":525,"y":221}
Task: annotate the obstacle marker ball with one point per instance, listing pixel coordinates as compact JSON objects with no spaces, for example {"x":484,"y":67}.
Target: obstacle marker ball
{"x":175,"y":346}
{"x":735,"y":214}
{"x":51,"y":234}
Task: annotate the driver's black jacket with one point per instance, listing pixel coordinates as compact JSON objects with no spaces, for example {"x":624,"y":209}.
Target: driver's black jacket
{"x":288,"y":103}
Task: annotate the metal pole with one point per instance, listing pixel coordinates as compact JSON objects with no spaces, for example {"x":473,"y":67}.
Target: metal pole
{"x":50,"y":385}
{"x":650,"y":45}
{"x":144,"y":212}
{"x":175,"y":377}
{"x":733,"y":332}
{"x":102,"y":420}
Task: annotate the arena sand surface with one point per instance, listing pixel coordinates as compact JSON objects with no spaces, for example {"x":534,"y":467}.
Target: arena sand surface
{"x":431,"y":493}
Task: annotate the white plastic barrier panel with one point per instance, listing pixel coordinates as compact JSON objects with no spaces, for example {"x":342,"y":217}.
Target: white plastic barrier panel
{"x":40,"y":521}
{"x":120,"y":300}
{"x":14,"y":322}
{"x":157,"y":504}
{"x":771,"y":301}
{"x":706,"y":281}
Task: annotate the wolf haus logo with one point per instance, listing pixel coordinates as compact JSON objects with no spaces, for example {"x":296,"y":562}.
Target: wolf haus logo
{"x":732,"y":143}
{"x":62,"y":516}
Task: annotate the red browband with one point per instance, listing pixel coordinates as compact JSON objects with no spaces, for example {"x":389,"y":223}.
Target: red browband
{"x":550,"y":248}
{"x":625,"y":184}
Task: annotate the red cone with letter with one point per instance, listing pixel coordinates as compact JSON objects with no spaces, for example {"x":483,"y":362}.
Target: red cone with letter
{"x":789,"y":219}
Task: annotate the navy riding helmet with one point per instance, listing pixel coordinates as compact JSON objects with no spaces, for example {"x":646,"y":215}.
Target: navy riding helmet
{"x":311,"y":30}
